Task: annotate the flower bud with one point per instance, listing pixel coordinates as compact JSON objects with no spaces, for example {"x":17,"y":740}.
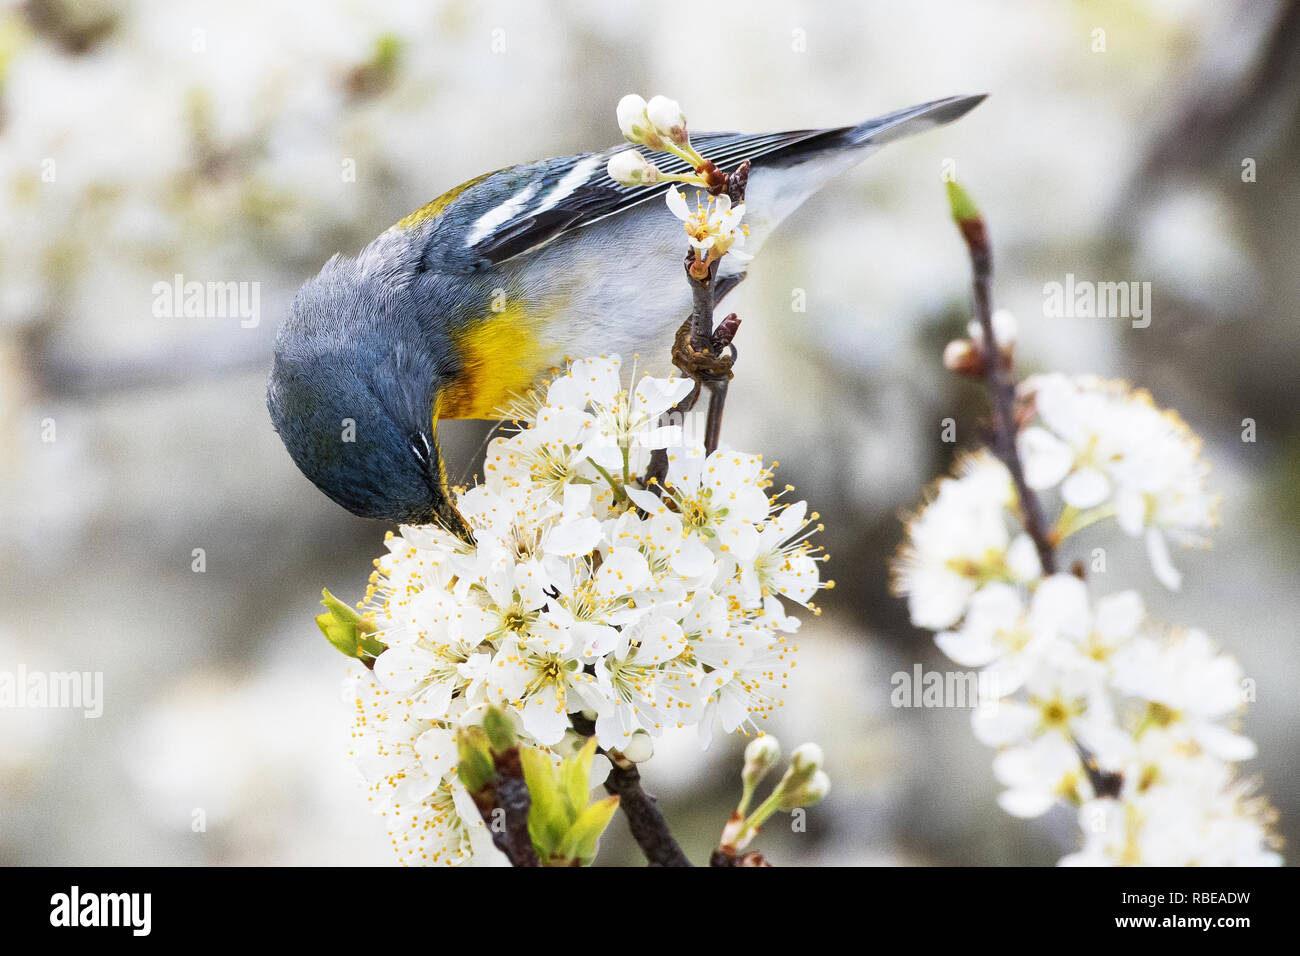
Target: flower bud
{"x":1004,"y":329}
{"x":806,"y":759}
{"x":633,"y":122}
{"x":499,"y":730}
{"x":957,"y":353}
{"x":667,"y":119}
{"x":961,"y":356}
{"x":347,"y":630}
{"x":640,"y":748}
{"x":475,"y":768}
{"x":630,"y":168}
{"x":1005,"y":326}
{"x":760,"y":756}
{"x":813,"y":791}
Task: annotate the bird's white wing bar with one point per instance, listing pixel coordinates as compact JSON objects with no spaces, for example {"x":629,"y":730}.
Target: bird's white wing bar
{"x":494,"y":217}
{"x":574,"y":178}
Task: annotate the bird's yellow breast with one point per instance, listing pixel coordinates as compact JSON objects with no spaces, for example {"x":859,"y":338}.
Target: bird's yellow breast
{"x":501,"y":357}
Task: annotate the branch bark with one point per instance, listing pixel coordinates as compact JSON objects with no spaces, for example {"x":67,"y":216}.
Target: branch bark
{"x":1002,"y":389}
{"x":998,"y":369}
{"x":508,"y":792}
{"x":703,"y":352}
{"x":648,"y":826}
{"x":512,"y":797}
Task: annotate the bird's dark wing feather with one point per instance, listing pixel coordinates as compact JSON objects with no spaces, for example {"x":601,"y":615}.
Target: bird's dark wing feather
{"x":524,"y":207}
{"x":559,"y":205}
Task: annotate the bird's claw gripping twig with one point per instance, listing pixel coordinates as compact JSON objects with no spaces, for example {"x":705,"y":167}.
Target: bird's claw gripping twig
{"x":710,"y":364}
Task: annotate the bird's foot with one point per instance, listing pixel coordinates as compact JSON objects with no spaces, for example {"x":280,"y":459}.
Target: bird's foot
{"x":711,"y":363}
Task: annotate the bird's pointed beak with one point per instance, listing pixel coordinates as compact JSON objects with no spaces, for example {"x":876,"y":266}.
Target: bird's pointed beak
{"x":451,"y":519}
{"x":444,"y":512}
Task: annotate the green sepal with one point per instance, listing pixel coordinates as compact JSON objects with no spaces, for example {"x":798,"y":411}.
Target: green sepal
{"x":548,"y":820}
{"x":476,"y":768}
{"x":499,"y":730}
{"x":349,"y":632}
{"x":959,"y":201}
{"x":579,"y":844}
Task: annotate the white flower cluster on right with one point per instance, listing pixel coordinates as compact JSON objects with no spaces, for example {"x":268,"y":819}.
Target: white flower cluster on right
{"x":1088,"y":700}
{"x":1113,"y":453}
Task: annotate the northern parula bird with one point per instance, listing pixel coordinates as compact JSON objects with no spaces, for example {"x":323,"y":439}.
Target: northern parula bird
{"x":473,"y":297}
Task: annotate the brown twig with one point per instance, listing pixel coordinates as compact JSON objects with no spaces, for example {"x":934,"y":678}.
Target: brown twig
{"x":508,"y":792}
{"x":702,"y":352}
{"x":998,"y":370}
{"x":648,"y":826}
{"x":512,"y":797}
{"x":1105,"y":783}
{"x":1002,"y":389}
{"x":725,"y":856}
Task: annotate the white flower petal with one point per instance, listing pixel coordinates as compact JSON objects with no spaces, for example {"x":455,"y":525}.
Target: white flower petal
{"x":623,"y":571}
{"x":1047,"y":459}
{"x":1161,"y":565}
{"x":677,"y":203}
{"x":1085,"y":488}
{"x":1026,"y":804}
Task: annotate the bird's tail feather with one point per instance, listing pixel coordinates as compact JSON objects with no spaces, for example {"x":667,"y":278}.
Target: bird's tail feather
{"x":784,"y":179}
{"x":879,"y":130}
{"x":910,"y":121}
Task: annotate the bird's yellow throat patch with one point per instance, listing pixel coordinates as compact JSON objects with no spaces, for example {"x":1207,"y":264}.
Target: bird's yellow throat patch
{"x":500,"y":356}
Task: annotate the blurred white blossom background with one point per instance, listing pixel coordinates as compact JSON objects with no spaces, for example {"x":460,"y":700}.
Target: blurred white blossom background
{"x":247,"y":142}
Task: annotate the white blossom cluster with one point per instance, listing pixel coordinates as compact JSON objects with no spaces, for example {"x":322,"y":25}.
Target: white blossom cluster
{"x":1112,"y":453}
{"x":585,"y":593}
{"x":1089,"y":701}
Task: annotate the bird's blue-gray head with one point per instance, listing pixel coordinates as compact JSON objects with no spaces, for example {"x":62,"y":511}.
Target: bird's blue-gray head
{"x":351,"y":394}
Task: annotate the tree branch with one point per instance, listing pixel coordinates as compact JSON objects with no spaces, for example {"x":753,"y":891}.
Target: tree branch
{"x":508,"y":792}
{"x":997,"y":367}
{"x":1001,"y":384}
{"x":648,"y":826}
{"x":725,"y":856}
{"x":512,"y":796}
{"x":702,"y":352}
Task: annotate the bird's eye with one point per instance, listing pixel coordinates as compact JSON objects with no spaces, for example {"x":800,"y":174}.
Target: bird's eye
{"x":421,"y":449}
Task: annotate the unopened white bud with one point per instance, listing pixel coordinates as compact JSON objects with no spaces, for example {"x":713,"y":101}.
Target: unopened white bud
{"x":634,"y":123}
{"x":813,"y":791}
{"x":760,"y":756}
{"x":1004,"y":329}
{"x":958,"y":355}
{"x":806,"y":759}
{"x":630,"y":168}
{"x":639,"y":748}
{"x":763,"y":749}
{"x":667,"y":119}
